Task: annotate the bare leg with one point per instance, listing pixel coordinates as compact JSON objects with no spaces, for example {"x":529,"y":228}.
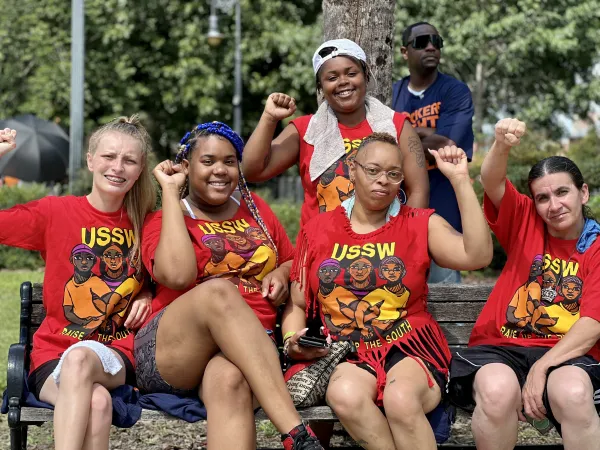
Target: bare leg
{"x":82,"y":412}
{"x":214,"y":317}
{"x":98,"y":429}
{"x":351,"y":394}
{"x":229,"y":403}
{"x":407,"y":398}
{"x":571,"y":397}
{"x":498,"y":398}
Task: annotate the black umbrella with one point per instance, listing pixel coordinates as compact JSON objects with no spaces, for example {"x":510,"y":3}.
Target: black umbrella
{"x":42,"y":152}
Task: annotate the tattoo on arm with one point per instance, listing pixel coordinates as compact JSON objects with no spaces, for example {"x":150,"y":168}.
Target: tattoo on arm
{"x":393,"y":380}
{"x":267,"y":160}
{"x":414,"y":146}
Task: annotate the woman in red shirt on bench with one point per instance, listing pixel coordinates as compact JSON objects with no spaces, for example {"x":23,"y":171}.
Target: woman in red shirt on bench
{"x":221,"y":260}
{"x":364,"y":266}
{"x":84,"y":346}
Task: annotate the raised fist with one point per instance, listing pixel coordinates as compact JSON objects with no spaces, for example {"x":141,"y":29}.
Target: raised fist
{"x":7,"y":141}
{"x":452,"y":161}
{"x":280,"y":106}
{"x":167,"y":173}
{"x":510,"y":131}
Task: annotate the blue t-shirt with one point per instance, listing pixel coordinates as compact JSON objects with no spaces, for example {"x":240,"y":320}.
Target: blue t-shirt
{"x":447,"y":106}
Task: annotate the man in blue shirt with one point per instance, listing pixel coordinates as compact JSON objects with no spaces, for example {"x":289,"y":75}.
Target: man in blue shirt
{"x":441,"y":110}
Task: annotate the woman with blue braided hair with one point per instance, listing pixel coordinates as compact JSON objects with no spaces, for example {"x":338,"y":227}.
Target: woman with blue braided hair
{"x":215,"y":305}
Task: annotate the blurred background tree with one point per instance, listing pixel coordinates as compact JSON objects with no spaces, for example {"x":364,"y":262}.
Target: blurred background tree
{"x":530,"y":58}
{"x":152,"y":56}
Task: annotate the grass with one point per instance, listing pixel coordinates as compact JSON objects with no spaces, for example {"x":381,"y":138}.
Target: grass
{"x":9,"y":312}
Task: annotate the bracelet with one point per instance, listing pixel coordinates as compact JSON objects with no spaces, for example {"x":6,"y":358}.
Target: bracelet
{"x":288,"y":335}
{"x":286,"y":346}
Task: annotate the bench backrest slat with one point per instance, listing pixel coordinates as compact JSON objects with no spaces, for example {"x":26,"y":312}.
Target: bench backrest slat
{"x":454,"y":306}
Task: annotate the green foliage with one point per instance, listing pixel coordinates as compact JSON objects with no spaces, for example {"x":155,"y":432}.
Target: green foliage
{"x":9,"y":313}
{"x":16,"y":258}
{"x":16,"y":195}
{"x":288,"y":212}
{"x":586,"y":154}
{"x":289,"y":216}
{"x":267,"y":429}
{"x":152,"y":57}
{"x":527,"y":57}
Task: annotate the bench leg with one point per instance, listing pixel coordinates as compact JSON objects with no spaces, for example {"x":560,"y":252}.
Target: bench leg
{"x":18,"y":438}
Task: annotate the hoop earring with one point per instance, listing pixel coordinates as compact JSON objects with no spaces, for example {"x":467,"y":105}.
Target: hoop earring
{"x":402,"y":196}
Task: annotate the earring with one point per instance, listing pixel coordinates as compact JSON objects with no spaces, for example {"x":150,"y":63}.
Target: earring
{"x":402,"y":196}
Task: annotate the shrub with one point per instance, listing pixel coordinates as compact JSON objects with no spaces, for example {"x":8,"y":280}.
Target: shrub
{"x":15,"y":258}
{"x":289,"y":216}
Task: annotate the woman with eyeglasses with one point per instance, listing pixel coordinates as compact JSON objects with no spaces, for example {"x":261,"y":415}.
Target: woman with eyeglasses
{"x":402,"y":357}
{"x":325,"y":143}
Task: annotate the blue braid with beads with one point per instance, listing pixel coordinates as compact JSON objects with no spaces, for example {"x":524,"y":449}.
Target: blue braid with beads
{"x":188,"y":143}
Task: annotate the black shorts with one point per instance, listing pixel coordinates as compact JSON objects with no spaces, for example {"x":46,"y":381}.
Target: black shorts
{"x":37,"y":378}
{"x":466,"y":363}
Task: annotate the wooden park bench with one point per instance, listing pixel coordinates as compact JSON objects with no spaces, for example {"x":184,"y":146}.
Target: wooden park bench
{"x":455,"y":307}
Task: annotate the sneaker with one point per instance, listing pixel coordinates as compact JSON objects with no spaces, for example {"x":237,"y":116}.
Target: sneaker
{"x":301,"y":438}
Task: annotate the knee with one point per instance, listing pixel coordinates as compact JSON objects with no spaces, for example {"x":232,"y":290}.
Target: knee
{"x":402,"y":406}
{"x":227,"y":385}
{"x":101,"y":410}
{"x":218,"y":297}
{"x":345,"y":399}
{"x":497,"y":395}
{"x":570,"y":394}
{"x":78,"y":364}
{"x":101,"y":402}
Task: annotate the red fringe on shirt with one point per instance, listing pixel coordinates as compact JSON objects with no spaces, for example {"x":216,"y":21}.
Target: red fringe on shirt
{"x":426,"y":343}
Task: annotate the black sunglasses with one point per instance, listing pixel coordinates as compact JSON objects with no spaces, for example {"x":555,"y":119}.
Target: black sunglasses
{"x":421,"y":42}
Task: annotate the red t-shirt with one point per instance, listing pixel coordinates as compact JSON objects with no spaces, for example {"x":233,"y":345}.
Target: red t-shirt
{"x":321,"y":195}
{"x":88,"y":281}
{"x":545,"y":286}
{"x":371,"y":288}
{"x":234,"y":249}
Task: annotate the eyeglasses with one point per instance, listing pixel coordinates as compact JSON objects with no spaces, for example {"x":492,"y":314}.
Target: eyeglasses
{"x":421,"y":42}
{"x":373,"y":173}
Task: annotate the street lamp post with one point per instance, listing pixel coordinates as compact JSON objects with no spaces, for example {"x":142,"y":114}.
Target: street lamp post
{"x":77,"y":89}
{"x":214,"y":38}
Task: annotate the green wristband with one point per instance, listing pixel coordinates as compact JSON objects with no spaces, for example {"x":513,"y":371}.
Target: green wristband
{"x":288,"y":335}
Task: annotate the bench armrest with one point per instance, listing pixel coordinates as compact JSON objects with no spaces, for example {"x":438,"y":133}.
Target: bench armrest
{"x":26,"y":310}
{"x":15,"y":382}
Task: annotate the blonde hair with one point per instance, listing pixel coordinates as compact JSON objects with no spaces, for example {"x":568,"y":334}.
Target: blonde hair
{"x":141,"y":198}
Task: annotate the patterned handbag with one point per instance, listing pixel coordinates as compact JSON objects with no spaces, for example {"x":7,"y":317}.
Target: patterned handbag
{"x":307,"y":382}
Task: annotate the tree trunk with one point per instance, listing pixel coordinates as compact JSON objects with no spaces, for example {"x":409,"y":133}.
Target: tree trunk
{"x":369,"y":23}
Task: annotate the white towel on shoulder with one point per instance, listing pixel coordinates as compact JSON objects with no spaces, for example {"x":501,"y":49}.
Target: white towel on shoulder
{"x":324,"y":133}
